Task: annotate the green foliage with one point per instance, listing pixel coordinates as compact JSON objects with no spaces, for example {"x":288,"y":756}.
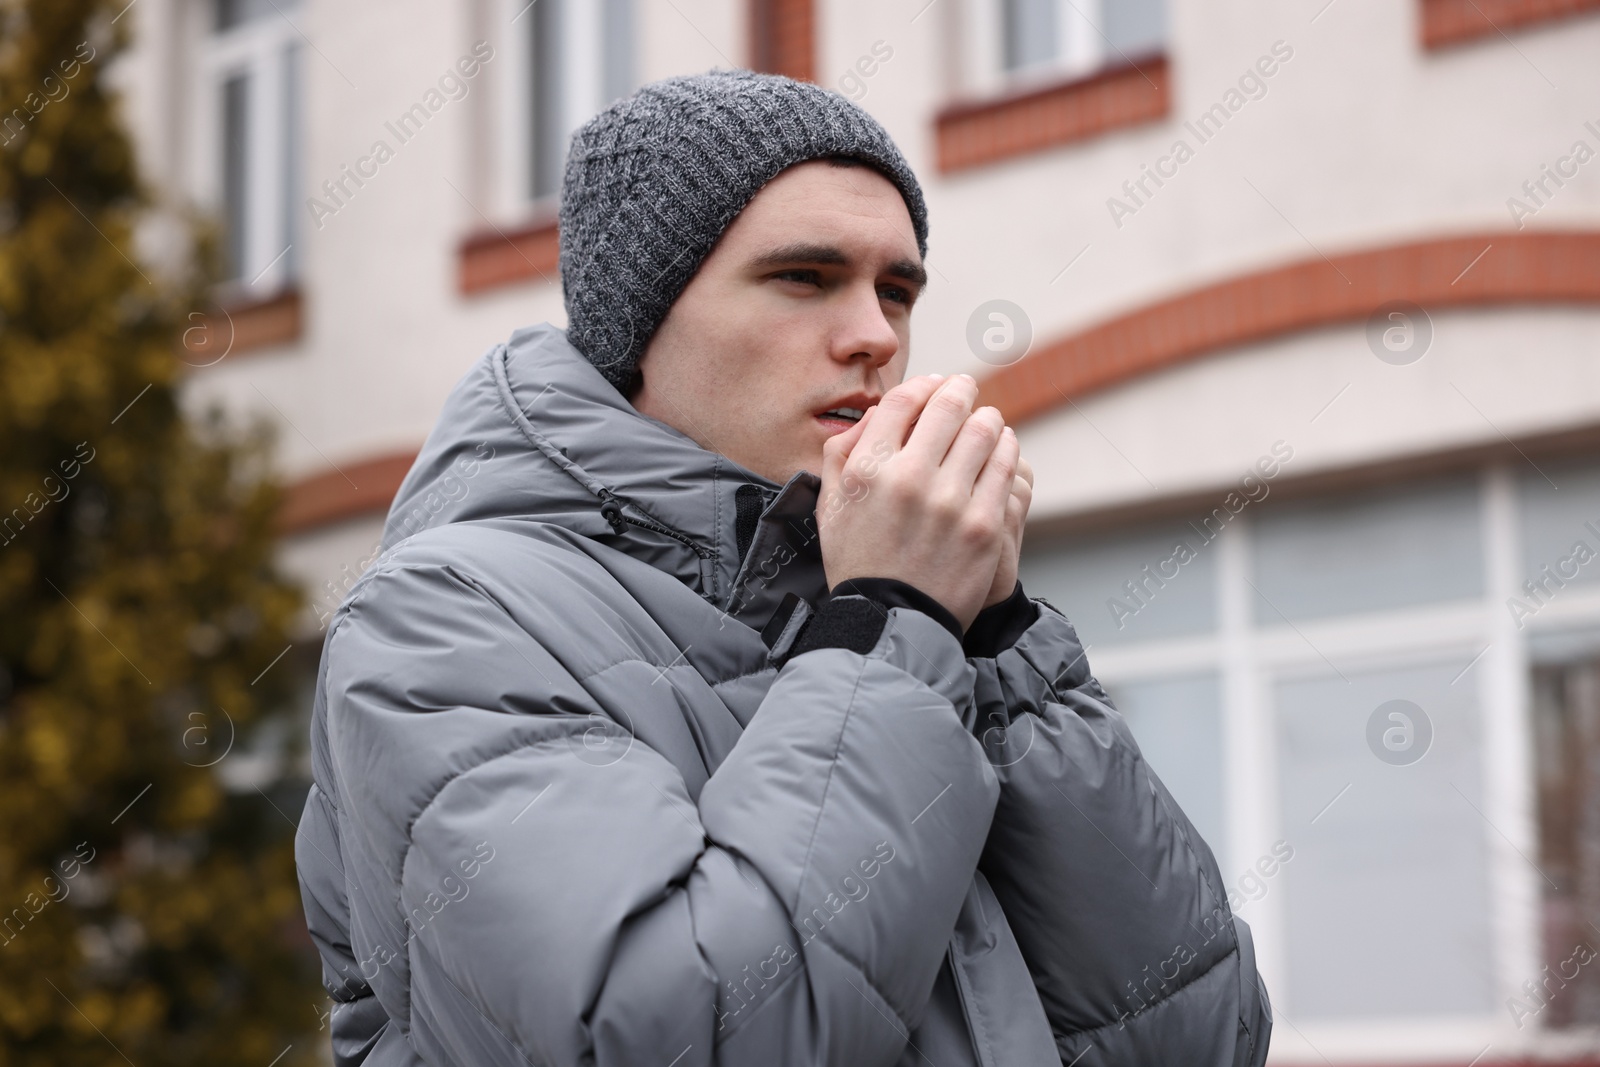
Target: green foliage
{"x":142,"y":904}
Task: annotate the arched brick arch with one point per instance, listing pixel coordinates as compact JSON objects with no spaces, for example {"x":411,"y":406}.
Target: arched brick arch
{"x":1447,"y":272}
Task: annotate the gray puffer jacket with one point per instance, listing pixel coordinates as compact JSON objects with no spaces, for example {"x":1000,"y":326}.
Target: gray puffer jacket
{"x":605,"y":776}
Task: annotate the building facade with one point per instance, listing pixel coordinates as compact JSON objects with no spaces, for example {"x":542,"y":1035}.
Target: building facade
{"x":1296,"y":308}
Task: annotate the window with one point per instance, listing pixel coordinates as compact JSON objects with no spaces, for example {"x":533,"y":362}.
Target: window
{"x":1387,"y":899}
{"x":1038,"y":33}
{"x":1035,"y":75}
{"x":1135,"y":585}
{"x":1133,"y":26}
{"x":1259,"y":658}
{"x":251,"y":71}
{"x":1560,"y":532}
{"x":1566,"y":729}
{"x":579,"y":59}
{"x":565,"y":60}
{"x":1387,"y":548}
{"x":1053,"y":39}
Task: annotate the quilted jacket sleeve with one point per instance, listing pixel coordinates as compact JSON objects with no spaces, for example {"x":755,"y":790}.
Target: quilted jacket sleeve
{"x":1115,"y":900}
{"x":528,"y":883}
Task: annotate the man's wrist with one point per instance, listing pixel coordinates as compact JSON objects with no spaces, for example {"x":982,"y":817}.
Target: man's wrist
{"x":998,"y":626}
{"x":857,"y":624}
{"x":894,"y":593}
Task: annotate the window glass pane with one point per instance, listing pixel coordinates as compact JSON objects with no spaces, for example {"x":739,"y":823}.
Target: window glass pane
{"x":230,"y":13}
{"x":1566,"y":721}
{"x":1560,"y":526}
{"x":291,"y":157}
{"x":235,"y":172}
{"x":1564,"y":645}
{"x":547,"y":138}
{"x":1386,"y":903}
{"x":1029,"y":34}
{"x":1382,"y":548}
{"x":616,"y":30}
{"x":1178,"y":724}
{"x":1133,"y":26}
{"x":1146,"y":583}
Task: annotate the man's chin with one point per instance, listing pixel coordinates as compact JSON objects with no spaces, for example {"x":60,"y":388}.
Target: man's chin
{"x":802,"y":461}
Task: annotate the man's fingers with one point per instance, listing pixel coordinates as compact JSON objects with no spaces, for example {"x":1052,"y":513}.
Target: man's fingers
{"x":1021,"y":484}
{"x":836,"y":452}
{"x":970,"y":450}
{"x":1017,"y":506}
{"x":995,"y":484}
{"x":943,"y":416}
{"x":845,"y":443}
{"x":898,"y":409}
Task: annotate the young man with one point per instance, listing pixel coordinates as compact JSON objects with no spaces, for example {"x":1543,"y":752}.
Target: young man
{"x":683,"y":722}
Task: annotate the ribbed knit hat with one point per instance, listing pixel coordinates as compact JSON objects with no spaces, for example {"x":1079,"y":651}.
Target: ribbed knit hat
{"x":653,"y":180}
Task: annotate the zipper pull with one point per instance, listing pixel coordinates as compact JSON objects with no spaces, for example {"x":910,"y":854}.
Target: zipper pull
{"x":611,"y":508}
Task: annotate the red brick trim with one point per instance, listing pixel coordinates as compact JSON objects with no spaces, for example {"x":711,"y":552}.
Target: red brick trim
{"x":974,"y":133}
{"x":354,"y":490}
{"x":240,"y":326}
{"x":490,"y":259}
{"x":1519,"y":268}
{"x":783,"y":38}
{"x":1448,"y":22}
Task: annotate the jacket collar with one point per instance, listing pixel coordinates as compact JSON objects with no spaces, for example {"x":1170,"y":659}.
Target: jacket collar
{"x":545,"y":436}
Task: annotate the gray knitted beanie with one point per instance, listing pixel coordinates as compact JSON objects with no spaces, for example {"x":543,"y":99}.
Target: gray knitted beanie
{"x":653,"y":180}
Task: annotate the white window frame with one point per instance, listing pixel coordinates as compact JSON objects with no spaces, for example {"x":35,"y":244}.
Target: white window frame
{"x":582,"y":88}
{"x":1080,"y":47}
{"x":1250,"y":657}
{"x":259,"y":49}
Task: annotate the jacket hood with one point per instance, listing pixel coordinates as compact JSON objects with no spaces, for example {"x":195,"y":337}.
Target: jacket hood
{"x":534,"y":432}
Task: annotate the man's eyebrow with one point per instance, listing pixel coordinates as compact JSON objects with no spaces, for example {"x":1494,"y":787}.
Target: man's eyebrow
{"x":911,"y":272}
{"x":833,"y":256}
{"x":801,"y":252}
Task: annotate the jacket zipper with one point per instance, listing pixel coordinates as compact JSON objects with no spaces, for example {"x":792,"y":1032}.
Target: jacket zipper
{"x":611,"y":507}
{"x":966,"y":1007}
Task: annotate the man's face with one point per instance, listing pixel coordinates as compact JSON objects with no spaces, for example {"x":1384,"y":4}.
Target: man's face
{"x":803,"y":305}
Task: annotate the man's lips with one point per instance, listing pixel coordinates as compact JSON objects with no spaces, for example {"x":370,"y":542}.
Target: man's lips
{"x":832,"y":424}
{"x":858,"y":402}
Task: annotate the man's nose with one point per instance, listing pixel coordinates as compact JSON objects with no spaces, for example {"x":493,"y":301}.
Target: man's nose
{"x":866,"y":331}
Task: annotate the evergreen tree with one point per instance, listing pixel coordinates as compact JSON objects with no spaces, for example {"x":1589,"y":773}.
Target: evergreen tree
{"x":148,"y":913}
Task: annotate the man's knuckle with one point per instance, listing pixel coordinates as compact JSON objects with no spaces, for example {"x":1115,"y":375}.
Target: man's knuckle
{"x":980,"y":431}
{"x":947,"y":504}
{"x":899,"y":489}
{"x":898,"y":398}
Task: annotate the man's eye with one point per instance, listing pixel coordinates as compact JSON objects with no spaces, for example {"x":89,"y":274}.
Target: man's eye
{"x":897,"y":293}
{"x":805,"y":277}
